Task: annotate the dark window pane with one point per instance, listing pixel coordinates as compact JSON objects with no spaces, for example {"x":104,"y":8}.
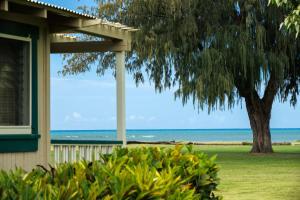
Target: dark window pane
{"x":14,"y":82}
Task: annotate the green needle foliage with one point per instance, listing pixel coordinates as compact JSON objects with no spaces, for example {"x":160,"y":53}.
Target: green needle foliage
{"x":217,"y":53}
{"x":128,"y":174}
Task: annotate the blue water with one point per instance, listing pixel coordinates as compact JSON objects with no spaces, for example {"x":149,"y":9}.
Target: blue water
{"x":195,"y":135}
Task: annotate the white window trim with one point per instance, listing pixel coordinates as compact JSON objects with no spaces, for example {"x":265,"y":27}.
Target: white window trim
{"x":21,"y":129}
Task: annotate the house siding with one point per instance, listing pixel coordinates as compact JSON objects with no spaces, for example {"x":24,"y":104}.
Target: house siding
{"x":28,"y":160}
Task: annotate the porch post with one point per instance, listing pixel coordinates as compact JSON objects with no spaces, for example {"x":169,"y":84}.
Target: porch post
{"x":120,"y":75}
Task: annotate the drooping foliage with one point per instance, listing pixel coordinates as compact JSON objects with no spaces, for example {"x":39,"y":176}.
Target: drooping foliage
{"x":215,"y":52}
{"x":292,"y":20}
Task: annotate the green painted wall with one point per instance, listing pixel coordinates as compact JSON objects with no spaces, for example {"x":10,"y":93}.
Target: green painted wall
{"x":24,"y":142}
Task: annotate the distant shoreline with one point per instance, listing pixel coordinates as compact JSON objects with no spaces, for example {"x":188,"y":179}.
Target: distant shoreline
{"x":208,"y":143}
{"x":169,"y":129}
{"x":189,"y":135}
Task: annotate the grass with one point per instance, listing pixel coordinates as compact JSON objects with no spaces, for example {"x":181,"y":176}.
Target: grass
{"x":245,"y":176}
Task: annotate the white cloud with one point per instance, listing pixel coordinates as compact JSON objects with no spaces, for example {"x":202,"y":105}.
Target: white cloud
{"x":141,"y":118}
{"x":132,"y":117}
{"x":136,"y":118}
{"x":151,"y":119}
{"x":67,"y":118}
{"x":76,"y":115}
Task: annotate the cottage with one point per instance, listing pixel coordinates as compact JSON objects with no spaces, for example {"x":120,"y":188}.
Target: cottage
{"x":29,"y":31}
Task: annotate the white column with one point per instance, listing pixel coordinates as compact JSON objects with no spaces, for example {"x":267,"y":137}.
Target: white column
{"x":120,"y":74}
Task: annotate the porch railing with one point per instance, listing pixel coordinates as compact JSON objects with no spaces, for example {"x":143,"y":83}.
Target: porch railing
{"x":75,"y":150}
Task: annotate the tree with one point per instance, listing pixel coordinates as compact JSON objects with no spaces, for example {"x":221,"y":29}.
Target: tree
{"x":216,"y":52}
{"x":292,"y":20}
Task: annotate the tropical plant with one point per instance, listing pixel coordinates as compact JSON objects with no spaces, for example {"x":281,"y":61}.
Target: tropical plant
{"x":140,"y":173}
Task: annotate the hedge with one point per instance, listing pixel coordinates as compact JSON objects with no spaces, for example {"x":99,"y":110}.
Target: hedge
{"x":138,"y":173}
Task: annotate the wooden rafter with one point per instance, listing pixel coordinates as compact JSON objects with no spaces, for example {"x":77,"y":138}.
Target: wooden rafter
{"x":89,"y":46}
{"x":104,"y":30}
{"x":61,"y":20}
{"x":40,"y":13}
{"x":4,"y":5}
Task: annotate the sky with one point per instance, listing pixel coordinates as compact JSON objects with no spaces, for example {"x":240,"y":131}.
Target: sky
{"x":88,"y":102}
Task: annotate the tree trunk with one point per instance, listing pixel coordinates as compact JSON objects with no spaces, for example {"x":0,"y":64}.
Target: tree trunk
{"x":259,"y":111}
{"x":259,"y":116}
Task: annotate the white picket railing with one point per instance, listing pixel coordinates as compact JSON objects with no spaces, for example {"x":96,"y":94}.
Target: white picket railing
{"x":74,"y":150}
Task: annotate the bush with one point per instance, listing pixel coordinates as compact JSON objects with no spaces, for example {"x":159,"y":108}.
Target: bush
{"x":139,"y":173}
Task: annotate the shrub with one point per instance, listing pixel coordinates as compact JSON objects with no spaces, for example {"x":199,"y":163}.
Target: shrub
{"x":139,"y":173}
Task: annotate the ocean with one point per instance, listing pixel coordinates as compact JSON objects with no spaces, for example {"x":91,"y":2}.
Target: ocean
{"x":193,"y":135}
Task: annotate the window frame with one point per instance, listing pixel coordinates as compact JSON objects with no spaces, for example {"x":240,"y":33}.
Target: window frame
{"x":23,"y":129}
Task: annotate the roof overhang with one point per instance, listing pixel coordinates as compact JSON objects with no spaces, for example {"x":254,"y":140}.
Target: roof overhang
{"x":116,"y":37}
{"x":61,"y":43}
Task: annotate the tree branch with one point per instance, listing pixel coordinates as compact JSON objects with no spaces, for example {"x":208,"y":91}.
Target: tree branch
{"x":270,"y":92}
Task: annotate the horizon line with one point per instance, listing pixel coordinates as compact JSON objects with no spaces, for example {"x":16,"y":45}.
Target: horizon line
{"x":158,"y":129}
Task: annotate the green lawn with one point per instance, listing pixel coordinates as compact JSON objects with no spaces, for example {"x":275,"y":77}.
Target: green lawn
{"x":257,"y":177}
{"x":245,"y":176}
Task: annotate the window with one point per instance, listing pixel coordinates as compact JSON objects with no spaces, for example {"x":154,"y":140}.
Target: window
{"x":15,"y":84}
